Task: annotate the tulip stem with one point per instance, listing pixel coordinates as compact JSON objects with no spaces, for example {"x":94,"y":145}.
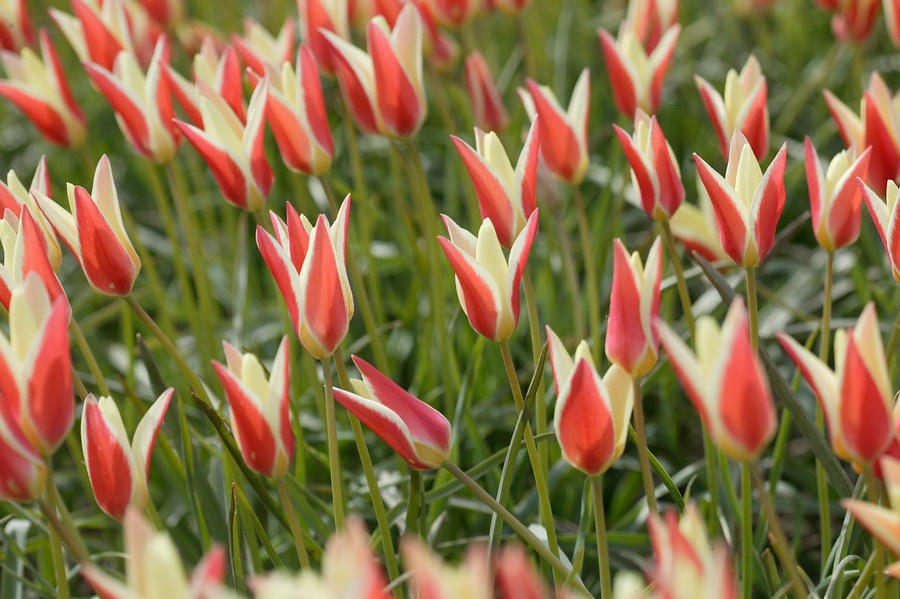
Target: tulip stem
{"x":877,"y":551}
{"x":59,"y":564}
{"x":746,"y":533}
{"x":712,"y":481}
{"x":602,"y":544}
{"x":590,"y":269}
{"x":565,"y":249}
{"x":414,"y":502}
{"x":560,"y":570}
{"x":92,"y":364}
{"x":60,"y":507}
{"x":359,"y":180}
{"x":293,"y":523}
{"x":534,"y":328}
{"x":60,"y":529}
{"x":821,"y":481}
{"x":643,"y":451}
{"x":895,"y":337}
{"x":334,"y":463}
{"x":681,"y":283}
{"x":752,"y":308}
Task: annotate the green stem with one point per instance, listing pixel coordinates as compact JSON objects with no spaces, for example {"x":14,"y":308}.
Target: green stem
{"x":56,"y":501}
{"x":534,"y":328}
{"x":864,"y":577}
{"x":895,"y":337}
{"x":93,"y":366}
{"x":359,"y":180}
{"x":877,"y":550}
{"x":59,"y":564}
{"x":59,"y":528}
{"x":590,"y":268}
{"x":821,"y":480}
{"x":746,"y":533}
{"x":293,"y":523}
{"x":565,"y":248}
{"x":602,"y":544}
{"x":334,"y":464}
{"x":643,"y":455}
{"x":414,"y":503}
{"x":679,"y":277}
{"x":712,"y":481}
{"x":752,"y":307}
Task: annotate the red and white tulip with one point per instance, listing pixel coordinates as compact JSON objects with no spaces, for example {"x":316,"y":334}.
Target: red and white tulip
{"x":16,"y":31}
{"x":323,"y":15}
{"x":650,"y":19}
{"x":22,"y":469}
{"x":98,"y":31}
{"x":262,"y":52}
{"x":487,"y":105}
{"x":887,"y":220}
{"x":14,"y":195}
{"x":882,"y":522}
{"x":220,"y":71}
{"x":24,"y":252}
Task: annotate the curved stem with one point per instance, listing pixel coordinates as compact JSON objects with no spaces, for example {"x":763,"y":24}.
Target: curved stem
{"x":93,"y":366}
{"x":643,"y":456}
{"x":61,"y":509}
{"x":64,"y":534}
{"x":752,"y":307}
{"x":679,"y":277}
{"x":293,"y":524}
{"x":337,"y":495}
{"x":602,"y":545}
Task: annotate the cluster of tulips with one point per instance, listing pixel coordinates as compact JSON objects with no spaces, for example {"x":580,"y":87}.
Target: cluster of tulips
{"x":130,"y":50}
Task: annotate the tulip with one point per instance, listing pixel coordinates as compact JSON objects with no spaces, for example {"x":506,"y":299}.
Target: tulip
{"x":878,"y":125}
{"x":16,"y":31}
{"x":892,"y":20}
{"x":886,"y":217}
{"x":510,"y":7}
{"x":259,"y":408}
{"x":654,"y":168}
{"x":323,"y":15}
{"x":882,"y":522}
{"x":383,"y":88}
{"x":95,"y":234}
{"x":35,"y":366}
{"x":119,"y":474}
{"x":506,"y":197}
{"x":488,"y":286}
{"x":747,"y":202}
{"x":220,"y":71}
{"x":38,"y":87}
{"x":415,"y":430}
{"x":853,"y":19}
{"x":636,"y":77}
{"x":855,"y":396}
{"x":632,"y":343}
{"x":235,"y":153}
{"x":432,"y":578}
{"x":724,"y":380}
{"x":22,"y":469}
{"x":695,"y":227}
{"x":142,"y":103}
{"x":13,"y":196}
{"x":650,"y":19}
{"x":24,"y":253}
{"x":296,"y":113}
{"x":167,"y":13}
{"x":592,"y":414}
{"x":487,"y":104}
{"x":835,"y":202}
{"x":263,"y":53}
{"x":564,"y":142}
{"x":309,"y":267}
{"x":743,"y":107}
{"x":516,"y":577}
{"x":453,"y":13}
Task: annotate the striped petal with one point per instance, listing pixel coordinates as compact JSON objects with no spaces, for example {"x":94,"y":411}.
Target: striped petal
{"x":731,"y":216}
{"x":583,"y":422}
{"x":325,"y":318}
{"x":108,"y":458}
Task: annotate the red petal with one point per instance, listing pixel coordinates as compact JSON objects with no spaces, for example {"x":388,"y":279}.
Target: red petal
{"x":756,"y":126}
{"x":51,"y":60}
{"x":51,"y":405}
{"x":35,"y":254}
{"x":864,"y":414}
{"x":324,"y":308}
{"x":108,"y":463}
{"x":48,"y":122}
{"x":732,"y":230}
{"x":625,"y":341}
{"x":813,"y":169}
{"x":21,"y":468}
{"x":585,"y":429}
{"x":771,"y":203}
{"x":493,"y":197}
{"x":671,"y":190}
{"x":559,"y":144}
{"x":281,"y":270}
{"x":619,"y":78}
{"x":885,"y":162}
{"x":314,"y":101}
{"x":227,"y":172}
{"x":398,"y":101}
{"x":105,"y":262}
{"x":481,"y":308}
{"x":355,"y":94}
{"x":132,"y":115}
{"x":102,"y":45}
{"x":644,"y":177}
{"x":846,"y":207}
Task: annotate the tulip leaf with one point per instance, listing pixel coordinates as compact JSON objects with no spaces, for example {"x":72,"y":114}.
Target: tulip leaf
{"x":247,"y":511}
{"x":237,"y":567}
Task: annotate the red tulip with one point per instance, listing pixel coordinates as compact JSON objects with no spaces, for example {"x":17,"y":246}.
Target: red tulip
{"x":16,"y":30}
{"x":167,"y":13}
{"x":650,"y":19}
{"x":14,"y":195}
{"x":453,"y":13}
{"x":263,"y":53}
{"x":22,"y":469}
{"x":119,"y":473}
{"x":892,"y":20}
{"x":887,"y":218}
{"x":220,"y":71}
{"x":24,"y":252}
{"x":323,"y":15}
{"x":487,"y":104}
{"x":415,"y":430}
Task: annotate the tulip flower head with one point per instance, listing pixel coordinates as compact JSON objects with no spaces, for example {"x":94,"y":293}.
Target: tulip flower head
{"x":14,"y":195}
{"x":22,"y":469}
{"x":887,"y":220}
{"x":453,"y":14}
{"x":415,"y":430}
{"x":219,"y":70}
{"x":564,"y":141}
{"x":488,"y":286}
{"x":654,"y":168}
{"x":835,"y":201}
{"x":327,"y":15}
{"x":97,"y":31}
{"x":487,"y":104}
{"x":742,"y":108}
{"x":119,"y":473}
{"x":16,"y":30}
{"x":650,"y":19}
{"x":853,"y":19}
{"x":592,"y":414}
{"x":725,"y":381}
{"x":260,"y":408}
{"x":95,"y":233}
{"x":883,"y":523}
{"x":309,"y":267}
{"x":517,"y":578}
{"x":23,"y":253}
{"x":748,"y":203}
{"x":892,"y":20}
{"x":262,"y":52}
{"x":855,"y":396}
{"x":505,"y":196}
{"x":695,"y":226}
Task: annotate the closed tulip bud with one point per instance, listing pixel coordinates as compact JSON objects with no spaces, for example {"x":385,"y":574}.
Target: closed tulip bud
{"x":854,"y":19}
{"x":95,"y":234}
{"x":488,"y":286}
{"x":14,"y":195}
{"x":887,"y":220}
{"x":309,"y":267}
{"x":118,"y":472}
{"x":323,"y":15}
{"x":834,"y":197}
{"x":505,"y":196}
{"x":22,"y":469}
{"x":882,"y":522}
{"x":415,"y":430}
{"x":487,"y":104}
{"x":97,"y":34}
{"x":650,"y":19}
{"x":16,"y":30}
{"x":260,"y":408}
{"x":592,"y":414}
{"x":632,"y":342}
{"x":38,"y":87}
{"x":564,"y":139}
{"x":725,"y":381}
{"x":742,"y":108}
{"x":748,"y":203}
{"x":636,"y":77}
{"x":892,"y":20}
{"x":855,"y":396}
{"x":24,"y":253}
{"x":262,"y":52}
{"x":220,"y":71}
{"x":654,"y":168}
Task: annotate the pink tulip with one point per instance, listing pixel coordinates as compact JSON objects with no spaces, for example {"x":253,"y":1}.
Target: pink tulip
{"x":856,"y":396}
{"x":488,"y":286}
{"x":220,"y":71}
{"x":119,"y":473}
{"x":415,"y":430}
{"x":432,"y":578}
{"x":887,"y":218}
{"x":263,"y":53}
{"x":517,"y":578}
{"x":309,"y":266}
{"x":747,"y":202}
{"x":323,"y":15}
{"x":24,"y":252}
{"x":22,"y":469}
{"x":592,"y":414}
{"x":725,"y":382}
{"x":487,"y":104}
{"x":505,"y":196}
{"x":654,"y":168}
{"x":14,"y":195}
{"x":16,"y":31}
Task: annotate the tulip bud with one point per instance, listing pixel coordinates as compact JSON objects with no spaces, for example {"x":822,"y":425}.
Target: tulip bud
{"x":487,"y":104}
{"x":263,"y":53}
{"x":220,"y":71}
{"x":887,"y":218}
{"x":24,"y":253}
{"x":323,"y":15}
{"x":650,"y":19}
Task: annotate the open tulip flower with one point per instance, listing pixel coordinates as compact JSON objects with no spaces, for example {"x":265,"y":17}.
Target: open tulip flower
{"x":119,"y":473}
{"x":654,"y":168}
{"x":415,"y":430}
{"x":38,"y":87}
{"x":384,"y":88}
{"x":95,"y":233}
{"x":748,"y":203}
{"x":14,"y":195}
{"x":487,"y":104}
{"x":22,"y":469}
{"x":309,"y":267}
{"x":887,"y":219}
{"x":636,"y":77}
{"x":262,"y":52}
{"x":296,"y":113}
{"x":35,"y":366}
{"x":855,"y":396}
{"x":260,"y":408}
{"x":725,"y":381}
{"x":742,"y":108}
{"x":835,"y":202}
{"x":24,"y":252}
{"x":221,"y":71}
{"x":592,"y":414}
{"x":882,"y":522}
{"x":488,"y":286}
{"x":505,"y":196}
{"x":564,"y":140}
{"x":234,"y":152}
{"x":632,"y":342}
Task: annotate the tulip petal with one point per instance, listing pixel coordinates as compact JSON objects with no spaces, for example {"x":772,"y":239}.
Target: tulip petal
{"x":481,"y":299}
{"x":882,"y":523}
{"x":324,"y":306}
{"x":560,"y":147}
{"x":396,"y":95}
{"x":147,"y":430}
{"x":583,"y":423}
{"x":130,"y":111}
{"x":863,"y":411}
{"x":108,"y":459}
{"x":768,"y":203}
{"x":222,"y":161}
{"x":493,"y":196}
{"x":731,"y":216}
{"x":106,"y":263}
{"x":626,"y":343}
